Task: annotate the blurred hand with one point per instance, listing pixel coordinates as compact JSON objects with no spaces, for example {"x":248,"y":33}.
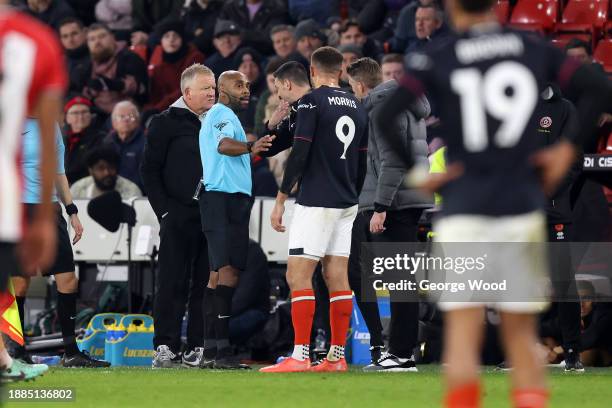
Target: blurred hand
{"x":377,"y":222}
{"x":554,"y":163}
{"x":38,"y":248}
{"x":263,"y":144}
{"x":77,"y":227}
{"x":605,"y":119}
{"x":280,"y":113}
{"x":276,"y":218}
{"x":435,"y":181}
{"x":139,"y":38}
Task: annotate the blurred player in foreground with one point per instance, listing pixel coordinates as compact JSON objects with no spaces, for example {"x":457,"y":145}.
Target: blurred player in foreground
{"x":33,"y":81}
{"x":486,"y":80}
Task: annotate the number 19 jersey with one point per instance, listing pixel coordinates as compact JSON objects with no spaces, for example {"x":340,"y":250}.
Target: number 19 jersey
{"x":335,"y":122}
{"x":487,"y":83}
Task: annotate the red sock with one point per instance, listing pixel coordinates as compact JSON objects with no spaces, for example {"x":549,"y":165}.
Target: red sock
{"x":340,"y":309}
{"x":464,"y":396}
{"x":530,"y":398}
{"x":302,"y":313}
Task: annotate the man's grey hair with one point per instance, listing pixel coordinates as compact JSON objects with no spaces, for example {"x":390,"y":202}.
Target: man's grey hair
{"x":190,"y":73}
{"x":280,"y":28}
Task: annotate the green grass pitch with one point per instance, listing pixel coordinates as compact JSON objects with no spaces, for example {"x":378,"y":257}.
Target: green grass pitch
{"x":142,"y":387}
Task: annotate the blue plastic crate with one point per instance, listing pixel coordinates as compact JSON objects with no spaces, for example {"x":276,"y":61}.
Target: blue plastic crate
{"x":131,"y":343}
{"x":95,"y":334}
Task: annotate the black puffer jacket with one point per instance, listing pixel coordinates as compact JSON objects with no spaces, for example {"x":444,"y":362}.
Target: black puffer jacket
{"x":171,"y":166}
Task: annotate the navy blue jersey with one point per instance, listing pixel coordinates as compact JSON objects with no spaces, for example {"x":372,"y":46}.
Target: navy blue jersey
{"x":335,"y":122}
{"x":486,"y":84}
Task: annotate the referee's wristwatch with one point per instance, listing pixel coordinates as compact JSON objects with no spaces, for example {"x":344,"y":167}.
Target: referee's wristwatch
{"x":71,"y":209}
{"x":250,"y":146}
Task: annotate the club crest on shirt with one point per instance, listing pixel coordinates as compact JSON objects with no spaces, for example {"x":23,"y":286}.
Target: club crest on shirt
{"x":219,"y":126}
{"x":545,"y":122}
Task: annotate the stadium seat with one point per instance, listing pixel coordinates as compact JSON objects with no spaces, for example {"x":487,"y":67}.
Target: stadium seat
{"x":565,"y":37}
{"x":603,"y":54}
{"x":502,"y":9}
{"x":559,"y":42}
{"x":541,"y":12}
{"x":536,"y":28}
{"x":584,"y":16}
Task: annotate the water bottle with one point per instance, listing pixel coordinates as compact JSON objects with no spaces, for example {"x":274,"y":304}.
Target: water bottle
{"x":320,"y":343}
{"x":48,"y":360}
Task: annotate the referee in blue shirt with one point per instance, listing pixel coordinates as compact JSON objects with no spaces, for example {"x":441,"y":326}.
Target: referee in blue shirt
{"x":225,"y":207}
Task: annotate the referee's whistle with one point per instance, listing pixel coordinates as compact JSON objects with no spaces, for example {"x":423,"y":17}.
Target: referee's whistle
{"x":198,"y":191}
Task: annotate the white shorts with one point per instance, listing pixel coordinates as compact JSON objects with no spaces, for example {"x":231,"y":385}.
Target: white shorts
{"x":319,"y":231}
{"x":524,"y":265}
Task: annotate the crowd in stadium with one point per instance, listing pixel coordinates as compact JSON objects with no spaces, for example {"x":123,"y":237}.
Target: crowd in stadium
{"x":128,"y":64}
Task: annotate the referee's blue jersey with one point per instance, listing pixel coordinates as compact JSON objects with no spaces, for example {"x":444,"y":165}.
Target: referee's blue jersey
{"x":228,"y":174}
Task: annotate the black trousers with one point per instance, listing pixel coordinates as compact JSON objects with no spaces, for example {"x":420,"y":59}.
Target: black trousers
{"x":181,"y":279}
{"x":401,"y":226}
{"x":564,"y":285}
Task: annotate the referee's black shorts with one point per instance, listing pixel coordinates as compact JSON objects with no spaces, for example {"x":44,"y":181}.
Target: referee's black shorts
{"x":225,"y":222}
{"x":64,"y":258}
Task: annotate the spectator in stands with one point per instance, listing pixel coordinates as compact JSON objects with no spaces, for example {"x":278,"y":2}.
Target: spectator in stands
{"x":199,"y":17}
{"x":264,"y":183}
{"x":392,"y":66}
{"x":227,"y":41}
{"x":168,"y":61}
{"x":113,"y":73}
{"x":283,"y":40}
{"x":128,"y":139}
{"x":74,"y":40}
{"x":50,"y":12}
{"x":248,"y":61}
{"x":147,"y":13}
{"x":350,"y":33}
{"x":581,"y":50}
{"x":377,"y":18}
{"x":81,"y":137}
{"x":116,"y":14}
{"x":427,"y":24}
{"x":404,"y":33}
{"x":318,"y":10}
{"x":350,"y":53}
{"x":309,"y":37}
{"x":102,"y":164}
{"x":268,"y":101}
{"x":596,"y":336}
{"x":256,"y":18}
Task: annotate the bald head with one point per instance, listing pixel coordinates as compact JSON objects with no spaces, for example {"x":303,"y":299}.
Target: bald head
{"x":234,"y":90}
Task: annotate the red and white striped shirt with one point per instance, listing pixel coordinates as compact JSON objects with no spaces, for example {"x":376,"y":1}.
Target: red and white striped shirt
{"x":31,"y":63}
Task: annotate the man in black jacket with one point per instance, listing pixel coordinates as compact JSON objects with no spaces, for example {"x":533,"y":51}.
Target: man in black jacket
{"x":556,"y":117}
{"x":171,"y":171}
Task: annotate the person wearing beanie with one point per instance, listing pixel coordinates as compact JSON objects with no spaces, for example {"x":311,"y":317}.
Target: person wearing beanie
{"x":309,"y":37}
{"x":168,"y":61}
{"x":350,"y":53}
{"x":227,"y":40}
{"x":82,"y":135}
{"x":248,"y":61}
